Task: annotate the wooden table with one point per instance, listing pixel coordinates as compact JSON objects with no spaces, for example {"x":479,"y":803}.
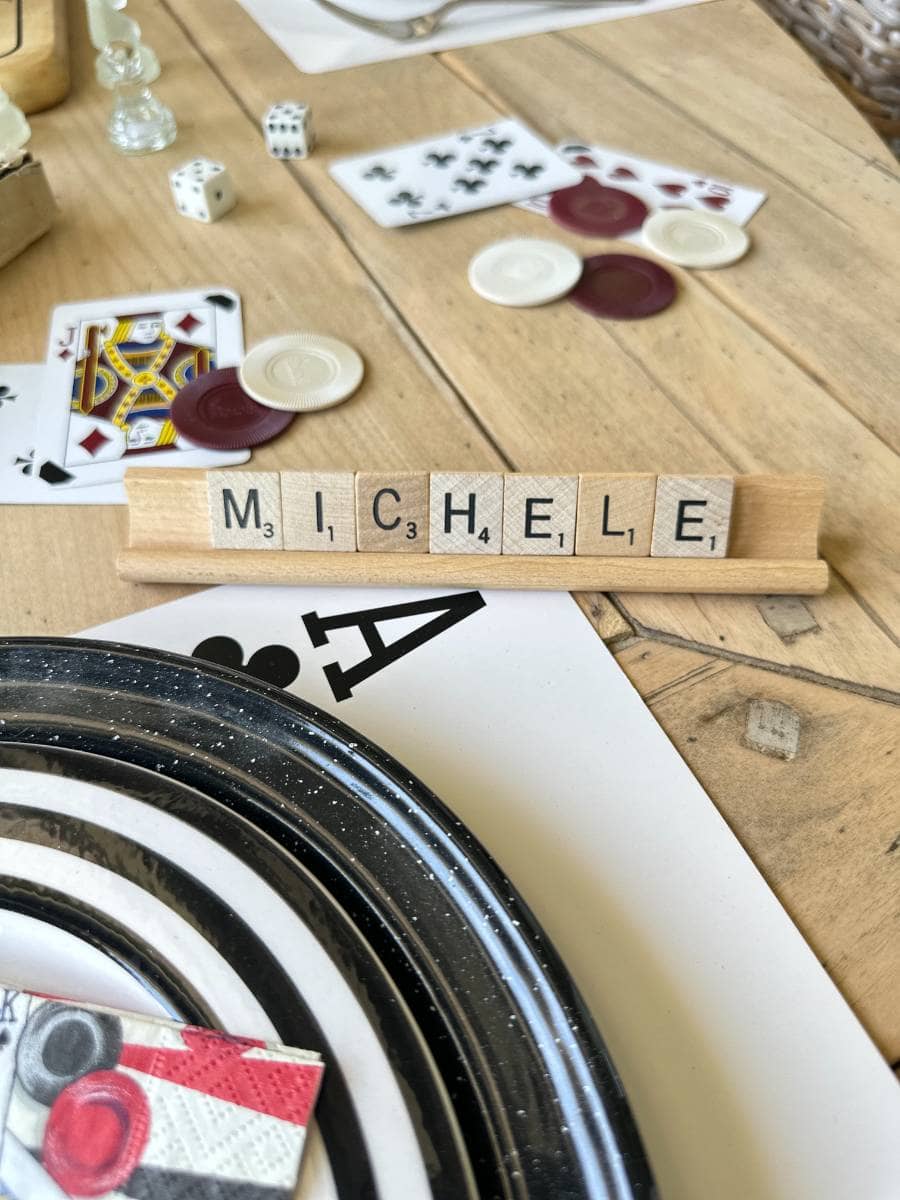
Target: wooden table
{"x":786,"y":362}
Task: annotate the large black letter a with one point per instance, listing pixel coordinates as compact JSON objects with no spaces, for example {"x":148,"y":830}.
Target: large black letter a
{"x":452,"y":609}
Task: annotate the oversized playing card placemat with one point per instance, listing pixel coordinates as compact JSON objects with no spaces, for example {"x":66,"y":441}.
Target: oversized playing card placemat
{"x":96,"y":1102}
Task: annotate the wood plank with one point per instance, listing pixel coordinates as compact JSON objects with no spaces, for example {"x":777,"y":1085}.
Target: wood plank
{"x":666,"y":384}
{"x":824,"y":311}
{"x":404,"y":414}
{"x":823,"y":832}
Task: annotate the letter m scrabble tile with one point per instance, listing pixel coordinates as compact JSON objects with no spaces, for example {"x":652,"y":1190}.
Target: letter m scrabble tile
{"x":245,"y":510}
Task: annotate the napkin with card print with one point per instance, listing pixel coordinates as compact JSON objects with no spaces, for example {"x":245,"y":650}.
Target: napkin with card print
{"x":96,"y":1102}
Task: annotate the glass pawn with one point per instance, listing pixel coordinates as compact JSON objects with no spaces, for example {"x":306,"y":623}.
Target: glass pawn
{"x":138,"y":123}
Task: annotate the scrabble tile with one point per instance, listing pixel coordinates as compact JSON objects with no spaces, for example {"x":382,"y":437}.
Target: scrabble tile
{"x":692,"y":517}
{"x":245,"y":510}
{"x":318,"y":509}
{"x":466,"y":512}
{"x":539,"y":514}
{"x":615,"y":515}
{"x":392,"y":511}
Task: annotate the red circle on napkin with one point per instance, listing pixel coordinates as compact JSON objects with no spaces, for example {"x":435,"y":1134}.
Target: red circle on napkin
{"x":96,"y":1133}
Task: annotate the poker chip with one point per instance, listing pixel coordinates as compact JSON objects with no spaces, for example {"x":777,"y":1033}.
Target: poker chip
{"x":597,"y":211}
{"x":521,"y":272}
{"x":301,"y":372}
{"x":624,"y":286}
{"x":695,"y":239}
{"x":215,"y":412}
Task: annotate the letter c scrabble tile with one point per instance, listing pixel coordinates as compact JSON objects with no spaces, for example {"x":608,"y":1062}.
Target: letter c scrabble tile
{"x":392,"y":511}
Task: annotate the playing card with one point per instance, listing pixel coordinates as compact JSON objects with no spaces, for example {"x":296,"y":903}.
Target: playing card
{"x":657,"y":184}
{"x":99,"y":1102}
{"x":453,"y":173}
{"x":22,"y":481}
{"x":113,"y":369}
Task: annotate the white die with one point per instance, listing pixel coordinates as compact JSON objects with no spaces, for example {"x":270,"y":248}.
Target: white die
{"x":288,"y":130}
{"x":202,"y":189}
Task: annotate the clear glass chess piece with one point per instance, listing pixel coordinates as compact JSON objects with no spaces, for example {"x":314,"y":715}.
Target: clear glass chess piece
{"x":138,"y":123}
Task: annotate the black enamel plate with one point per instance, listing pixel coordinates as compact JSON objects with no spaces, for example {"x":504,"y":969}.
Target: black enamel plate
{"x":249,"y":862}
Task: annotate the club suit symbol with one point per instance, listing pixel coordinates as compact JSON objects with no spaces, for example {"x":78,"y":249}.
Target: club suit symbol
{"x":470,"y":186}
{"x":433,"y":159}
{"x":484,"y":165}
{"x":6,"y":395}
{"x":409,"y":198}
{"x":272,"y":664}
{"x":527,"y":171}
{"x":498,"y":145}
{"x":379,"y":172}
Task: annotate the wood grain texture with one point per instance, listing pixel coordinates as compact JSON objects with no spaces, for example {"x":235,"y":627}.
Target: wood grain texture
{"x":392,"y":511}
{"x":692,"y":516}
{"x":822,"y":826}
{"x":318,"y":509}
{"x":36,"y":73}
{"x":245,"y":510}
{"x":615,"y":514}
{"x":539,"y":514}
{"x":386,"y":569}
{"x":475,"y":501}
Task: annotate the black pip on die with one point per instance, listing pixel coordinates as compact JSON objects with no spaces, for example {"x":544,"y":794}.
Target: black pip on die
{"x":288,"y":130}
{"x":473,"y":512}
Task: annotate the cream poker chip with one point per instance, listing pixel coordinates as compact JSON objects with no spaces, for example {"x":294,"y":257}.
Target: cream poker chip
{"x":694,"y":239}
{"x":521,"y":272}
{"x":301,"y":372}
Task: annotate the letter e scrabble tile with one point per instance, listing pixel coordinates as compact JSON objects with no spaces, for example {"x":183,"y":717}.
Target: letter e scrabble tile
{"x":318,"y":509}
{"x":245,"y":510}
{"x":466,"y":512}
{"x":539,"y":514}
{"x":615,"y":515}
{"x":392,"y":511}
{"x":693,"y":516}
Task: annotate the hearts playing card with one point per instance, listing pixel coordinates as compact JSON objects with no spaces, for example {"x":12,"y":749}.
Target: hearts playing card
{"x":453,"y":173}
{"x":100,"y":1102}
{"x":113,"y":369}
{"x":658,"y":185}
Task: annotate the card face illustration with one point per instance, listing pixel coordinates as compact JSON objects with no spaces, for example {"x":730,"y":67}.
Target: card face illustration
{"x":659,"y":186}
{"x":95,"y":1102}
{"x":114,"y":368}
{"x":453,"y":173}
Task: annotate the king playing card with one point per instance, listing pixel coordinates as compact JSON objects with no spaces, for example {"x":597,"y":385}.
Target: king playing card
{"x":114,"y":368}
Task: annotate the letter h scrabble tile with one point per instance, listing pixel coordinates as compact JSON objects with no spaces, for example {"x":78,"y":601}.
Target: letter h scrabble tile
{"x":466,"y":512}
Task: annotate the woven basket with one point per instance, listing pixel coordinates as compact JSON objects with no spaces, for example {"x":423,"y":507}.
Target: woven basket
{"x":858,"y":41}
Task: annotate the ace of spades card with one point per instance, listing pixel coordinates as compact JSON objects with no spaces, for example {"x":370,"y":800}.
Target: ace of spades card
{"x":453,"y":173}
{"x":113,"y":369}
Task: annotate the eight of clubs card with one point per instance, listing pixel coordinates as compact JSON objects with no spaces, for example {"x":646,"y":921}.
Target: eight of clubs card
{"x":453,"y":173}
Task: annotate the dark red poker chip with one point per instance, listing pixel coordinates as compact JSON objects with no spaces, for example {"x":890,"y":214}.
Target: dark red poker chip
{"x":597,"y":211}
{"x":216,"y":413}
{"x":624,"y":286}
{"x":96,"y":1133}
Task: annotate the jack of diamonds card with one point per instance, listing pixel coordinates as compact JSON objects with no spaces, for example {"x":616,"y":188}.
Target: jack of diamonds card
{"x":95,"y":1102}
{"x":114,"y":368}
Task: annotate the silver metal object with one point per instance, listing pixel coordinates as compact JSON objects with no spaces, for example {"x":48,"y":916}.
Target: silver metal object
{"x":416,"y":28}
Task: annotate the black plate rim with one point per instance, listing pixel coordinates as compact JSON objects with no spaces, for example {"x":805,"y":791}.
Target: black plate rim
{"x":598,"y":1136}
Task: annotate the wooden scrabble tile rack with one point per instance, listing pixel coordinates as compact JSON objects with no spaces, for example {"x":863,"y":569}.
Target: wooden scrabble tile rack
{"x":771,"y":547}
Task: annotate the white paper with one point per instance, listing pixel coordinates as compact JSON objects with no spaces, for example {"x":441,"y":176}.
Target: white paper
{"x":315,"y":41}
{"x":749,"y":1076}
